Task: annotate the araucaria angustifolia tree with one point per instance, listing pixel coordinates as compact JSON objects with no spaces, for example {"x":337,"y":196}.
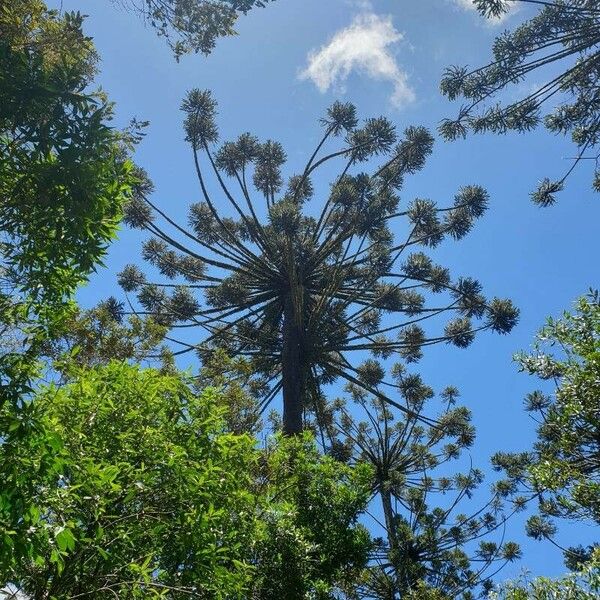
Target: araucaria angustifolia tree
{"x":583,"y":584}
{"x":431,"y":539}
{"x":563,"y":35}
{"x":298,"y":289}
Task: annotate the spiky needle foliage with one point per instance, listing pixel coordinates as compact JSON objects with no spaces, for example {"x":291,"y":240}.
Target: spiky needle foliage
{"x":428,"y":539}
{"x":298,"y":293}
{"x":564,"y":35}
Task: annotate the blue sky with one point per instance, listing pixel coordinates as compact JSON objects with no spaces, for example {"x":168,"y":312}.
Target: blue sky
{"x":275,"y":79}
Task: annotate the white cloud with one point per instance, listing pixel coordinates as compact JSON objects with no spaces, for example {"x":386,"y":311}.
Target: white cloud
{"x":363,"y":47}
{"x":470,"y":5}
{"x":361,"y":4}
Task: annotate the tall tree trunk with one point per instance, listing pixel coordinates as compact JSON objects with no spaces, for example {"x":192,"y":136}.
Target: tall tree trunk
{"x":403,"y":556}
{"x":388,"y":512}
{"x":291,"y":357}
{"x":392,"y":536}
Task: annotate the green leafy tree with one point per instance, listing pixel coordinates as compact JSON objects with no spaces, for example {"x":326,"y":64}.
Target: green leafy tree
{"x":192,"y":25}
{"x":63,"y":177}
{"x":562,"y":471}
{"x":584,"y":584}
{"x":62,"y":173}
{"x":63,"y":180}
{"x":296,"y":289}
{"x":565,"y":35}
{"x":309,"y":544}
{"x":130,"y":486}
{"x":134,"y":488}
{"x":429,"y":544}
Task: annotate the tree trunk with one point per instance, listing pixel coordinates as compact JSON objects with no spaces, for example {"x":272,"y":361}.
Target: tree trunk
{"x":388,"y":512}
{"x":291,"y":358}
{"x":390,"y":526}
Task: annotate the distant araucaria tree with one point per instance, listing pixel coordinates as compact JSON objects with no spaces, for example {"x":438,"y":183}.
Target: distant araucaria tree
{"x":297,"y":290}
{"x":430,"y":546}
{"x":560,"y":47}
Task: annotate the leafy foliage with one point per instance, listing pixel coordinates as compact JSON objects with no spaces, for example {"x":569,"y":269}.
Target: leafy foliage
{"x":129,"y":485}
{"x":563,"y":468}
{"x":139,"y":488}
{"x":192,"y":25}
{"x":581,"y":585}
{"x":63,"y":176}
{"x":297,"y":293}
{"x":563,"y":34}
{"x":63,"y":179}
{"x":309,"y":544}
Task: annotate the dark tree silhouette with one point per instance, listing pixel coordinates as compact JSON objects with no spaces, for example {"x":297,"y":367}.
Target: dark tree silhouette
{"x":192,"y":25}
{"x":295,"y":289}
{"x":561,"y":45}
